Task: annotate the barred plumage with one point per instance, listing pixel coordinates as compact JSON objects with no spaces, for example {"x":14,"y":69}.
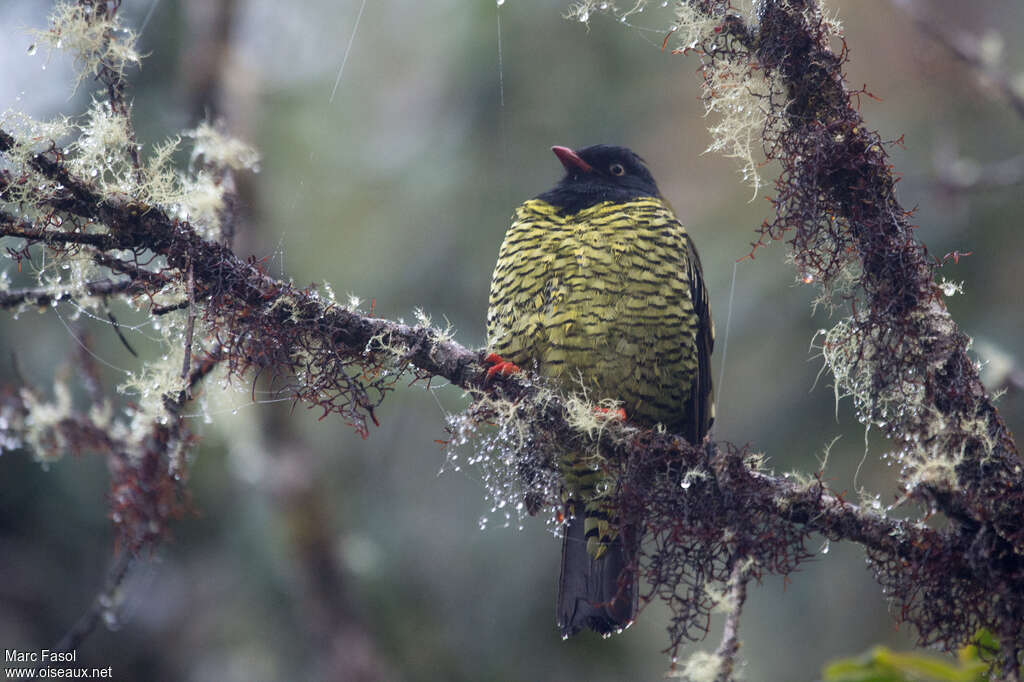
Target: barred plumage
{"x":598,"y":287}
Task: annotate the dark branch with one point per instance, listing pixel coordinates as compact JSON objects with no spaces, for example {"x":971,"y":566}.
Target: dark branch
{"x":44,"y":297}
{"x":266,"y":323}
{"x":11,"y":226}
{"x":730,"y":645}
{"x":101,"y":605}
{"x":836,"y":206}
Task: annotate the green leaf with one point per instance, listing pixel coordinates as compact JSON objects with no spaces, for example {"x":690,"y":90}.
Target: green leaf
{"x":883,"y":665}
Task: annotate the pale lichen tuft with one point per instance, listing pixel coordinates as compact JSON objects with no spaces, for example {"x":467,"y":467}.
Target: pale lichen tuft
{"x":702,"y":666}
{"x":222,"y":151}
{"x":96,"y":40}
{"x":42,"y":423}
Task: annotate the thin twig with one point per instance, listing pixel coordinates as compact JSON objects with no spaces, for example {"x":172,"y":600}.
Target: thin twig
{"x":103,"y":603}
{"x":169,"y":308}
{"x":117,"y":330}
{"x":730,"y":644}
{"x":90,"y":371}
{"x":156,"y":280}
{"x":207,"y":363}
{"x":117,"y":85}
{"x":44,"y":296}
{"x":190,"y":323}
{"x":11,"y":226}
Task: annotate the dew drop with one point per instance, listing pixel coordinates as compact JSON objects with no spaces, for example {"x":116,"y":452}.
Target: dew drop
{"x":110,"y":620}
{"x":32,"y":49}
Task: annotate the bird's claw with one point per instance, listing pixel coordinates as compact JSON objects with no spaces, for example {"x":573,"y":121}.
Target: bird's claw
{"x":499,"y":366}
{"x":612,"y":413}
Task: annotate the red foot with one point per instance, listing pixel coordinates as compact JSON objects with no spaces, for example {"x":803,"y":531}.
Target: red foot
{"x":499,"y":366}
{"x":619,"y":413}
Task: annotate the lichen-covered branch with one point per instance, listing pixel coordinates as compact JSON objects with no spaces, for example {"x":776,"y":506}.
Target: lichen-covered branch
{"x":344,"y":361}
{"x":160,"y":241}
{"x":730,"y":644}
{"x":775,"y":90}
{"x":899,"y":354}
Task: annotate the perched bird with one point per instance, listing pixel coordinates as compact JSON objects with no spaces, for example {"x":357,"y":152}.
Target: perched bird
{"x":599,"y":288}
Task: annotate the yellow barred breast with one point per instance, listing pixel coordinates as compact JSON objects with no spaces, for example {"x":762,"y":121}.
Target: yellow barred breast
{"x":600,"y":300}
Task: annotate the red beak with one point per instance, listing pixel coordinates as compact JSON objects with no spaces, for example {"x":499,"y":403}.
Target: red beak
{"x":571,"y":160}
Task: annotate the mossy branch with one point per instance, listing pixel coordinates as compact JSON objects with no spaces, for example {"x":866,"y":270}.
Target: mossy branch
{"x":701,"y":505}
{"x":334,"y":356}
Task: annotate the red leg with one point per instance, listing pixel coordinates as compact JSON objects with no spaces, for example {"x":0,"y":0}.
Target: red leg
{"x":499,"y":365}
{"x":618,"y":412}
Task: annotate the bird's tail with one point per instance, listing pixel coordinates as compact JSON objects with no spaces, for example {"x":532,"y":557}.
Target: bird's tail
{"x":600,"y":594}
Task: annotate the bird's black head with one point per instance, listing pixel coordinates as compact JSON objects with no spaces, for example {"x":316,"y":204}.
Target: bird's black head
{"x":599,"y":173}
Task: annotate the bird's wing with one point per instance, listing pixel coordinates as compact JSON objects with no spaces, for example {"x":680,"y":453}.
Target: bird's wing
{"x":702,"y":395}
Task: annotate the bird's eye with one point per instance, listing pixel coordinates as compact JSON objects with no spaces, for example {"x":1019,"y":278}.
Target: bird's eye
{"x":616,"y":169}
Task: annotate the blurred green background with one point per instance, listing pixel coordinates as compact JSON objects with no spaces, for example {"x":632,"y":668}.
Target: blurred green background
{"x":317,"y":555}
